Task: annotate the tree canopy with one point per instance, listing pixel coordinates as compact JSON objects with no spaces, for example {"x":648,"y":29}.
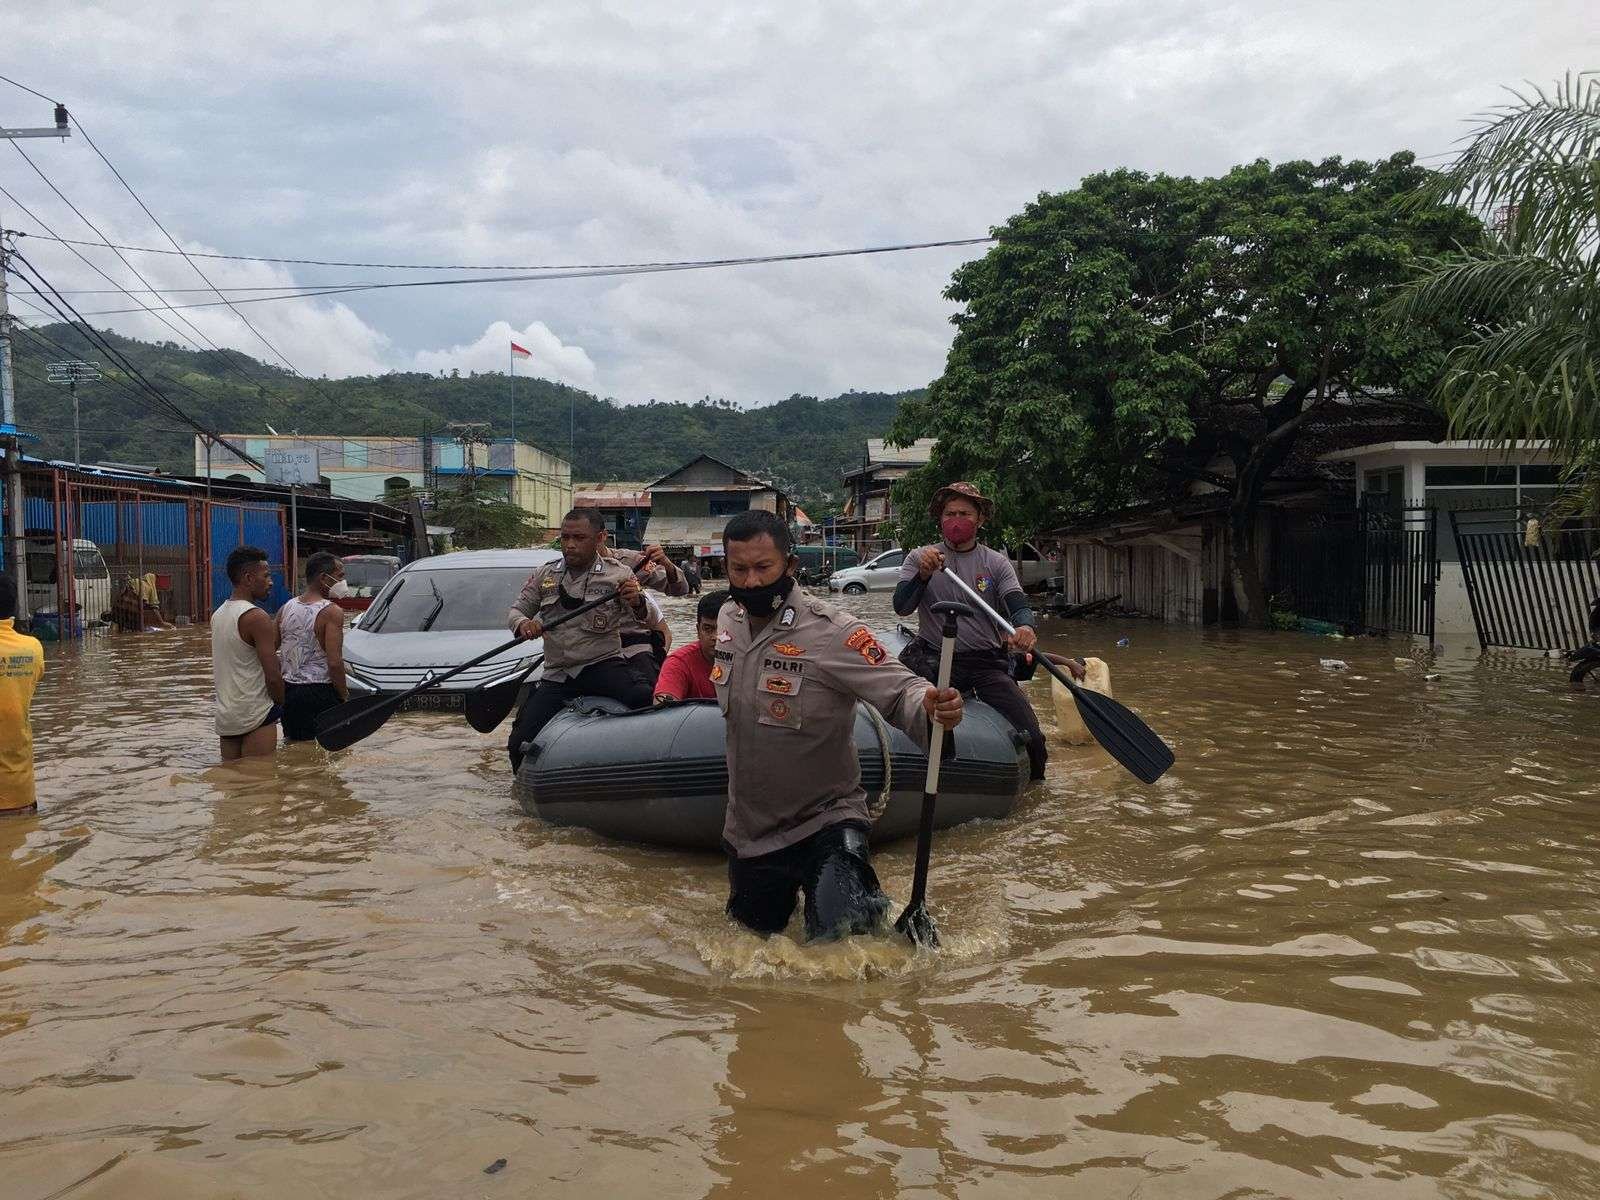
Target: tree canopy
{"x":1142,"y":334}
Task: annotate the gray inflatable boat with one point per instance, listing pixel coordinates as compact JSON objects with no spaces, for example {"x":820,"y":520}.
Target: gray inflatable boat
{"x":659,"y":775}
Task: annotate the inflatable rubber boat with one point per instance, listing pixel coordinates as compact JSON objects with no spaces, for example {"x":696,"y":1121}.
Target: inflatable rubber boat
{"x":660,"y":776}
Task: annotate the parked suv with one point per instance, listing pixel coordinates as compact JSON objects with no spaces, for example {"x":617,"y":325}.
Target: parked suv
{"x":437,"y":613}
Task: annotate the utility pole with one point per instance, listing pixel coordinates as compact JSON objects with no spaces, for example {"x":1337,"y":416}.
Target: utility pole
{"x":10,"y":439}
{"x":73,"y":372}
{"x":469,"y":433}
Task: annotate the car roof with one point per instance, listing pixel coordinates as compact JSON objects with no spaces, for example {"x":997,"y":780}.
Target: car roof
{"x":533,"y":556}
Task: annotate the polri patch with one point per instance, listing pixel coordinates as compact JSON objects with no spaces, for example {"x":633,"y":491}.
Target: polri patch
{"x":864,"y":644}
{"x":779,"y":709}
{"x":778,"y":685}
{"x":788,"y":649}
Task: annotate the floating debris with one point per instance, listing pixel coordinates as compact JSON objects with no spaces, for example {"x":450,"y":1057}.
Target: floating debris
{"x":1335,"y":664}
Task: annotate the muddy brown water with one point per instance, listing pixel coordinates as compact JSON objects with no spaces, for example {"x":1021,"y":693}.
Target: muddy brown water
{"x":1346,"y":948}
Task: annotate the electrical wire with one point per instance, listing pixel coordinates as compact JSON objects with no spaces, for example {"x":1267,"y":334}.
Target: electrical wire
{"x":26,"y":88}
{"x":228,"y":357}
{"x":32,"y":276}
{"x":601,"y":266}
{"x":312,"y":291}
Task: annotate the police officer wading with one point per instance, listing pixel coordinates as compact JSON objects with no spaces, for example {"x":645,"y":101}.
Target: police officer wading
{"x":788,"y":671}
{"x":982,"y":661}
{"x":583,"y":657}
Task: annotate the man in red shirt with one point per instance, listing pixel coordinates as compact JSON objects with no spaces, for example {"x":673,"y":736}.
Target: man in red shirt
{"x":686,"y":675}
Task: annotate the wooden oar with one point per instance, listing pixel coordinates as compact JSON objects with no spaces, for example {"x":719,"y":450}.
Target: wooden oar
{"x":346,"y":724}
{"x":1116,"y":727}
{"x":917,"y":922}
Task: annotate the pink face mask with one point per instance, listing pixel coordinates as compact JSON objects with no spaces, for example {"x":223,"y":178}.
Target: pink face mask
{"x":958,"y":531}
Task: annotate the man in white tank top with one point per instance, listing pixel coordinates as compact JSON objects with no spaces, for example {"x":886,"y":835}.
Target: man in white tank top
{"x":244,"y":660}
{"x":311,"y":648}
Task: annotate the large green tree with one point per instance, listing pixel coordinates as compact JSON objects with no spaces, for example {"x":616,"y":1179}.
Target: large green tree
{"x":1141,"y":334}
{"x":1528,"y":297}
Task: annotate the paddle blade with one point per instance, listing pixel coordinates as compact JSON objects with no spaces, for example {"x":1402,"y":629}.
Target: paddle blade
{"x":917,"y":925}
{"x":485,"y":709}
{"x":346,"y":724}
{"x":1125,"y":737}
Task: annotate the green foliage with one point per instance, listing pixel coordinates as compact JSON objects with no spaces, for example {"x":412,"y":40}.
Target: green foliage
{"x":803,"y":443}
{"x":1528,"y":364}
{"x":1124,"y":340}
{"x":483,"y":522}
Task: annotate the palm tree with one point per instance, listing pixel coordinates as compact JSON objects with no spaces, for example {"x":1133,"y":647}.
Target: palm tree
{"x":1530,"y":292}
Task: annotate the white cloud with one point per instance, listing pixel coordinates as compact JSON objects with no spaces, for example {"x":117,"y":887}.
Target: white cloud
{"x":552,"y":359}
{"x":530,"y":134}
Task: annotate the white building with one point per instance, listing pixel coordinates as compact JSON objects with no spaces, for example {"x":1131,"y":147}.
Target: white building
{"x":1453,"y":476}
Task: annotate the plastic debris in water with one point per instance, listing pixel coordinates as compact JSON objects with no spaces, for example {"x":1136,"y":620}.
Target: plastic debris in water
{"x":1335,"y":664}
{"x":1123,"y":641}
{"x":1432,"y":678}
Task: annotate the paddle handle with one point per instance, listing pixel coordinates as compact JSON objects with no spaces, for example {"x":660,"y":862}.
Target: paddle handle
{"x":930,"y":788}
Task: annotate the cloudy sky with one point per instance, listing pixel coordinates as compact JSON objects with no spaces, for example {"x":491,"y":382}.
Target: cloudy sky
{"x":540,"y":133}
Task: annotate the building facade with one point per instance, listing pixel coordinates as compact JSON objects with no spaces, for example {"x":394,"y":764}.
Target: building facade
{"x":624,"y":507}
{"x":385,"y":468}
{"x":868,"y":522}
{"x":690,"y":506}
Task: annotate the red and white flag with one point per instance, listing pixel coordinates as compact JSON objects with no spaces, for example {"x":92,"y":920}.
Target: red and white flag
{"x":519,"y":352}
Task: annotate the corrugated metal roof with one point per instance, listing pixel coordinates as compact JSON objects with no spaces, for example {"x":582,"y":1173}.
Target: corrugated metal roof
{"x":684,"y":531}
{"x":919,"y":452}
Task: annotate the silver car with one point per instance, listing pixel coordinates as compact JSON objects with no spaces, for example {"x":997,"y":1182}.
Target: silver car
{"x":879,"y":575}
{"x":436,"y":614}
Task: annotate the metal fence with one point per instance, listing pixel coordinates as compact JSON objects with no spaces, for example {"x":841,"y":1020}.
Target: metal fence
{"x":1373,"y":569}
{"x":123,"y":556}
{"x":1528,"y":588}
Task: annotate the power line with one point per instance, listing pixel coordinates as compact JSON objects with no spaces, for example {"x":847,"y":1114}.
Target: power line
{"x":36,"y":281}
{"x":312,"y":291}
{"x":664,"y":264}
{"x":26,"y":88}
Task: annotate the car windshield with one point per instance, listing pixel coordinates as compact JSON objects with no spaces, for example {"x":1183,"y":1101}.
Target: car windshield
{"x":476,"y":598}
{"x":368,"y":574}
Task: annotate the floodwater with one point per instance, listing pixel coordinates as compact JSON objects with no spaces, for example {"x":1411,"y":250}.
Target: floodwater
{"x":1346,"y":948}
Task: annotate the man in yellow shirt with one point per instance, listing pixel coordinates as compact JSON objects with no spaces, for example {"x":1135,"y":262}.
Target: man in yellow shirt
{"x":21,"y":667}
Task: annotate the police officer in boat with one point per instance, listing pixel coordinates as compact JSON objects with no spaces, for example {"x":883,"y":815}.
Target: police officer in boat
{"x":583,"y":657}
{"x":788,"y":670}
{"x":982,"y":661}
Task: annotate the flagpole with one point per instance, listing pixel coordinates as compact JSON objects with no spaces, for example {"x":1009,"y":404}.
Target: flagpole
{"x":511,"y":382}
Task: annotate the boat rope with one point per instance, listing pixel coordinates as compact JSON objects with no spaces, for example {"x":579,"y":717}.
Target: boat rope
{"x":880,"y":727}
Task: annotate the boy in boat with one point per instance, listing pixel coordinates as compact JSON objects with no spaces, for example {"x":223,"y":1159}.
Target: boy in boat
{"x":788,"y":671}
{"x":582,"y":657}
{"x":982,"y":661}
{"x":21,"y":668}
{"x":686,"y":675}
{"x":244,"y":660}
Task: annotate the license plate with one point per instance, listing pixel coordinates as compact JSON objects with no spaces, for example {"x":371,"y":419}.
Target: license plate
{"x":436,"y":702}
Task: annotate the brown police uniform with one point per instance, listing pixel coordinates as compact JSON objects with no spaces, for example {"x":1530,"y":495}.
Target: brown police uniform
{"x":797,"y":814}
{"x":638,"y":644}
{"x":582,"y":657}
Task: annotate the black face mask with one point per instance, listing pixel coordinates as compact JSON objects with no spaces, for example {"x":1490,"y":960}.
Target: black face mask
{"x":762,"y":601}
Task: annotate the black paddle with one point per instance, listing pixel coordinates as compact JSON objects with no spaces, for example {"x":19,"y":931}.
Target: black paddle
{"x":917,"y":922}
{"x":1118,"y":728}
{"x":346,"y":724}
{"x":487,"y":707}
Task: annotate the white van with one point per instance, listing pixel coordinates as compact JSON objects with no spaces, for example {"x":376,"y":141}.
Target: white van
{"x":90,"y":580}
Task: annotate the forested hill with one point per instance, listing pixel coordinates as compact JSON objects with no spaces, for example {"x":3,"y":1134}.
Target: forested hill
{"x":802,"y":443}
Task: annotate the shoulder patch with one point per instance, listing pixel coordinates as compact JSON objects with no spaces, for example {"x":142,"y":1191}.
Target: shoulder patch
{"x":864,"y":644}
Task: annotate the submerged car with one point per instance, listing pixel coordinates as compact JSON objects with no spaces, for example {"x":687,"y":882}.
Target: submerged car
{"x":437,"y":613}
